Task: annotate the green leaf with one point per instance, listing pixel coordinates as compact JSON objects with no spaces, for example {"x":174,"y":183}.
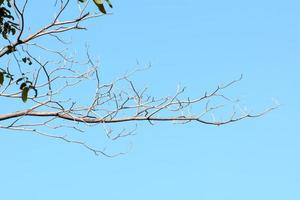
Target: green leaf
{"x":25,"y":94}
{"x":22,"y":86}
{"x":109,"y":3}
{"x":13,"y":31}
{"x":29,"y":61}
{"x":99,"y":4}
{"x":18,"y":80}
{"x":1,"y":78}
{"x":101,"y":8}
{"x":4,"y":35}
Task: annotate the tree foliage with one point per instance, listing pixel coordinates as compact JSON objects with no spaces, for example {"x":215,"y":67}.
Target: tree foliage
{"x":7,"y":24}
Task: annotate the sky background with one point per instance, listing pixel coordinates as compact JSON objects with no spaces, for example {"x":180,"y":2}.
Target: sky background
{"x":198,"y":44}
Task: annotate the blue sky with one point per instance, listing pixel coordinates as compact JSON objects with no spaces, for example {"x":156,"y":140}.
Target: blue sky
{"x":198,"y":44}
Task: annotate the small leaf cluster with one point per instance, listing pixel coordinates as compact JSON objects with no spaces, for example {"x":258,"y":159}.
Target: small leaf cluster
{"x":99,"y":4}
{"x":27,"y":60}
{"x":5,"y":74}
{"x":7,"y":26}
{"x":26,"y":86}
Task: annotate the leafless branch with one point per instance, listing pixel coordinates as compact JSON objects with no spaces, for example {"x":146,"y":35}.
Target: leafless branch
{"x":59,"y":104}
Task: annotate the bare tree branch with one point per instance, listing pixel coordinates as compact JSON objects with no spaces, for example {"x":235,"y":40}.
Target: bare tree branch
{"x":57,"y":105}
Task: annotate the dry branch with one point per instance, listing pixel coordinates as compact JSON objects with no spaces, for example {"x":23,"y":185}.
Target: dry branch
{"x":116,"y":102}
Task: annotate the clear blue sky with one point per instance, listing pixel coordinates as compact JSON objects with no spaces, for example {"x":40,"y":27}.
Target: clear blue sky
{"x":198,"y":44}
